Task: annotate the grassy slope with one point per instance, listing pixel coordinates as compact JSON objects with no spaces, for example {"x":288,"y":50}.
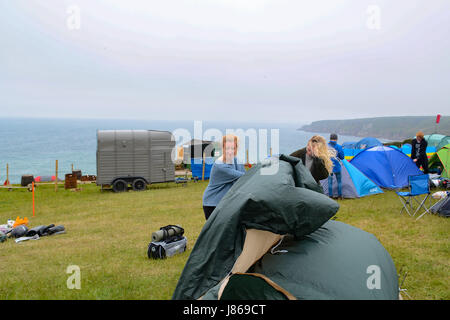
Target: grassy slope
{"x":107,"y":237}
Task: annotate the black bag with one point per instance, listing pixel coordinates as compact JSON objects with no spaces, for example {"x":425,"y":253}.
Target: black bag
{"x":167,"y":248}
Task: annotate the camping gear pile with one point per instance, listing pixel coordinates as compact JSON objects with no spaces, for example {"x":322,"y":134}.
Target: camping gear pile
{"x":272,"y":237}
{"x":19,"y":230}
{"x":167,"y":242}
{"x":442,"y":207}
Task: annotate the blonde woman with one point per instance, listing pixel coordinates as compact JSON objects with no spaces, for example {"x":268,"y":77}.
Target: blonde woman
{"x":317,"y":157}
{"x":224,"y":173}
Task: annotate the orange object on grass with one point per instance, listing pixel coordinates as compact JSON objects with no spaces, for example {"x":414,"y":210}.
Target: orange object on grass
{"x":19,"y":221}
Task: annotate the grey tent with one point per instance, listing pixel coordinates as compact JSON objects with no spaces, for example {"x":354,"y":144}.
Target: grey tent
{"x":278,"y":206}
{"x":355,"y":184}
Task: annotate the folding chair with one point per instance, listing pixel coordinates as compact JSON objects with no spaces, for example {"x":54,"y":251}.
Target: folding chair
{"x":418,"y":185}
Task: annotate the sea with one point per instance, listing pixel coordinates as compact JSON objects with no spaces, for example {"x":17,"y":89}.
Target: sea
{"x":32,"y":145}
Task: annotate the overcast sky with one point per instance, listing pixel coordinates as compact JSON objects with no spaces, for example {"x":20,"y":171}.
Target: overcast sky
{"x":252,"y":60}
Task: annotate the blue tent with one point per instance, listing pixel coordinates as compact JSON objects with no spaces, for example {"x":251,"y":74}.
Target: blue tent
{"x":354,"y":183}
{"x":386,"y":166}
{"x":368,"y":142}
{"x":348,"y":145}
{"x":406,"y":149}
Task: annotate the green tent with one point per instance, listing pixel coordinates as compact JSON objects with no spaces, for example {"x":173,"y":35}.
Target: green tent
{"x":277,"y":206}
{"x":441,"y":159}
{"x":337,"y":261}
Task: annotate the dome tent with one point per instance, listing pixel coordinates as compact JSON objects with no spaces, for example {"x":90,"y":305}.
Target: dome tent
{"x":354,"y":183}
{"x":387,"y":167}
{"x":368,"y":142}
{"x":348,"y":145}
{"x":442,"y":159}
{"x":434,"y":139}
{"x":332,"y":263}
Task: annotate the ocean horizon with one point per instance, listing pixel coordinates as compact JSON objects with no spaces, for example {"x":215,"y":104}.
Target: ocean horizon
{"x":31,"y":145}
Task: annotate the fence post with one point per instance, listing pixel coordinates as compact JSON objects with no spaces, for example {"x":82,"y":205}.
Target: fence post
{"x":7,"y":174}
{"x":203,"y":167}
{"x":32,"y":189}
{"x":56,"y":175}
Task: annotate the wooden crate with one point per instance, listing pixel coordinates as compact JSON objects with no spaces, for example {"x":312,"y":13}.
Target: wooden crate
{"x":70,"y":181}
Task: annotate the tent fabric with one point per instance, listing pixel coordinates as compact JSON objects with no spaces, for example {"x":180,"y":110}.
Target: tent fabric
{"x":368,"y":142}
{"x":387,"y":167}
{"x":197,"y":167}
{"x":257,"y":243}
{"x":251,"y":287}
{"x":278,"y":195}
{"x":332,"y":263}
{"x":354,"y":183}
{"x":337,"y":261}
{"x":434,"y":139}
{"x":442,"y":159}
{"x":348,"y":145}
{"x":444,"y":142}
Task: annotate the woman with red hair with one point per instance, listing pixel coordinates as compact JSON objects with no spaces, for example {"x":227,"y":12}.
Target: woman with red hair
{"x":224,"y":173}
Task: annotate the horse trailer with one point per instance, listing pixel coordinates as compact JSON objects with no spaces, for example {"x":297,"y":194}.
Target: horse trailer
{"x":134,"y":157}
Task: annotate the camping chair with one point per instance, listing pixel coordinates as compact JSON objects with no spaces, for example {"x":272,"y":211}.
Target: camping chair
{"x":418,"y":185}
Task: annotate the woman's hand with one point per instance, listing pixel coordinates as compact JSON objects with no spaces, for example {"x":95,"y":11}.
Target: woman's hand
{"x":312,"y":150}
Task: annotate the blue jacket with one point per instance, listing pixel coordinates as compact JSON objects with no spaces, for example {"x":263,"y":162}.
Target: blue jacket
{"x":222,"y":178}
{"x":340,"y":155}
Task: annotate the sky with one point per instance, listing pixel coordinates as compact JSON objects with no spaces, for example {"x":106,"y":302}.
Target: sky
{"x":259,"y":60}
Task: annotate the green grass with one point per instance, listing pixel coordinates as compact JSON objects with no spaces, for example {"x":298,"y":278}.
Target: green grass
{"x":107,"y":237}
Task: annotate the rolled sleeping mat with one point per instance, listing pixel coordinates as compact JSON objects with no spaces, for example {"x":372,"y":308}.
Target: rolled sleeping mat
{"x":19,"y":231}
{"x":56,"y":230}
{"x":39,"y":230}
{"x":167,"y":232}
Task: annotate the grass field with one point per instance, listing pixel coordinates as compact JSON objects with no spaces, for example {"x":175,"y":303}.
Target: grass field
{"x":107,"y":237}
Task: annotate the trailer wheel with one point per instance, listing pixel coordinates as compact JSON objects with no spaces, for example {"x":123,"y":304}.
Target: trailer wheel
{"x":120,"y":186}
{"x":139,"y":185}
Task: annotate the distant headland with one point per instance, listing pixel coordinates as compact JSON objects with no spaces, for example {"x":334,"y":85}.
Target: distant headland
{"x":390,"y":128}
